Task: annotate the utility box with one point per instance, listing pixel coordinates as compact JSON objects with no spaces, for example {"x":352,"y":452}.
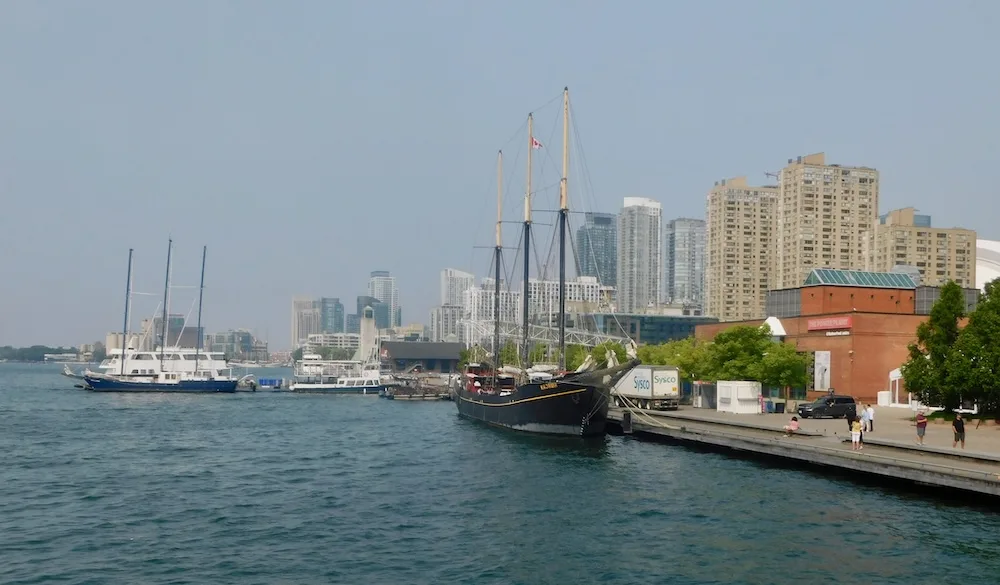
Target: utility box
{"x":738,"y":396}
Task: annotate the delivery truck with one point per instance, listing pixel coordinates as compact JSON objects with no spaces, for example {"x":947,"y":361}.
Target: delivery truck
{"x":649,"y":387}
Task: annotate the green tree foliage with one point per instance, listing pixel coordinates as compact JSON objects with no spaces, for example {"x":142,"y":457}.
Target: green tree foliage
{"x":972,"y":366}
{"x":926,"y":371}
{"x":335,"y":353}
{"x":472,"y":355}
{"x":539,"y":353}
{"x":739,"y":353}
{"x":689,"y":355}
{"x":100,"y":354}
{"x":297,"y":354}
{"x":35,"y":353}
{"x":600,"y":353}
{"x":781,"y":366}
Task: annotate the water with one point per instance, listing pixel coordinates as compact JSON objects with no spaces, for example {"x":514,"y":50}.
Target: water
{"x":279,"y":488}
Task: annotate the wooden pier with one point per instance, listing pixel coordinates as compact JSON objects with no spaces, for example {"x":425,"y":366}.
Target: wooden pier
{"x":975,"y":472}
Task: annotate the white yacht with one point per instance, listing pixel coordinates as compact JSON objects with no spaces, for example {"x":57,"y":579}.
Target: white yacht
{"x":314,"y":374}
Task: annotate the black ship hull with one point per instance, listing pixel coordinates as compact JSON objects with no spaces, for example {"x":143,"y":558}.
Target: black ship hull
{"x":547,"y":407}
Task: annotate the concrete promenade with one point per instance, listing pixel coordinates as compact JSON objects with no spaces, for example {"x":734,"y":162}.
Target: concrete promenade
{"x":890,"y":451}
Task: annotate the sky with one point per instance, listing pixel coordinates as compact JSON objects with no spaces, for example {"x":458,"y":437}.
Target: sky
{"x":307,"y":143}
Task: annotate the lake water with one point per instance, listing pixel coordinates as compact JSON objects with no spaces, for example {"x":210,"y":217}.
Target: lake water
{"x":301,"y":489}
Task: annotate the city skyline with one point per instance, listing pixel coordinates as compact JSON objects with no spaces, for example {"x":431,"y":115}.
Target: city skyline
{"x":178,"y":112}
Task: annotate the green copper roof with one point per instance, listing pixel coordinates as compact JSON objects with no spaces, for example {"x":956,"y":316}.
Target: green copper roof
{"x":830,"y":276}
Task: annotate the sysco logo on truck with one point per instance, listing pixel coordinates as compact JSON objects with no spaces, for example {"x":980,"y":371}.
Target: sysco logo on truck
{"x":665,"y":379}
{"x":640,"y":384}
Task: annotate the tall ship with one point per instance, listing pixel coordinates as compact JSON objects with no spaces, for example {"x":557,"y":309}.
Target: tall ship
{"x":164,"y":369}
{"x":542,"y":400}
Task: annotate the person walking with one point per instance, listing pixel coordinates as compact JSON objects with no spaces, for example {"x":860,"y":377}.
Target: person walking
{"x":871,"y":418}
{"x":864,"y":419}
{"x":958,"y":425}
{"x":921,"y":427}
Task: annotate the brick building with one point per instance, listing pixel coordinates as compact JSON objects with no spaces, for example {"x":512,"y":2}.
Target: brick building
{"x":855,"y":325}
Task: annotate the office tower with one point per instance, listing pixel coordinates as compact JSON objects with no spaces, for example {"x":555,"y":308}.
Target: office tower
{"x":331,"y":315}
{"x":352,"y":323}
{"x":382,"y":286}
{"x":597,"y":247}
{"x":305,"y":320}
{"x":639,"y":254}
{"x":684,"y":260}
{"x":740,"y":244}
{"x":826,"y":218}
{"x":380,"y":311}
{"x":902,"y":237}
{"x":454,"y":283}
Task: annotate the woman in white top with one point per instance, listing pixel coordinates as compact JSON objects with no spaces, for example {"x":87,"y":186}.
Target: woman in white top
{"x":871,"y":418}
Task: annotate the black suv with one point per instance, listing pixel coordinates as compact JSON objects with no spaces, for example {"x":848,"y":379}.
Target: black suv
{"x":831,"y":406}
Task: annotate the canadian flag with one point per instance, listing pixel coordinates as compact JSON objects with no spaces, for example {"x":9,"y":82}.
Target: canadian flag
{"x":535,"y":143}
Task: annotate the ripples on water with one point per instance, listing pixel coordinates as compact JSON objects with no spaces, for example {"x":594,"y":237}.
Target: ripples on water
{"x":276,"y":488}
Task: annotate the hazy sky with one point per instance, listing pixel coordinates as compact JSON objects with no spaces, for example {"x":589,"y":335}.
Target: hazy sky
{"x":308,"y":143}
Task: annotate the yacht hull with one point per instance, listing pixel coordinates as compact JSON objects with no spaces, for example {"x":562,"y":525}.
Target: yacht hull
{"x":182,"y":386}
{"x":334,"y":389}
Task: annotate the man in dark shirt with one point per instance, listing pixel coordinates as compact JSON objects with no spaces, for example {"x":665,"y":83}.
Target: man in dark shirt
{"x":959,"y":427}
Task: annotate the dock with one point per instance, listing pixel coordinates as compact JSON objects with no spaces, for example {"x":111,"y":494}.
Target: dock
{"x":826,"y":444}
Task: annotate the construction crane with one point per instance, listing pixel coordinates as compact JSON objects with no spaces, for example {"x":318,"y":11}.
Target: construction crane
{"x":775,"y":175}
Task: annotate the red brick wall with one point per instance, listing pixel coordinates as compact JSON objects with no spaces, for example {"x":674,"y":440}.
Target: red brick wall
{"x":823,"y":300}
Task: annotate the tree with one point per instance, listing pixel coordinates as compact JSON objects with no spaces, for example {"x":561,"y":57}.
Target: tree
{"x":600,"y":353}
{"x":925,"y":372}
{"x":538,"y":353}
{"x":472,"y":355}
{"x":783,"y":367}
{"x":971,"y":366}
{"x":738,"y":353}
{"x":297,"y":354}
{"x":688,"y":355}
{"x":100,"y":353}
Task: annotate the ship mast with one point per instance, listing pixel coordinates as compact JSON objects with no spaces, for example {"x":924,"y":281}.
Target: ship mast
{"x":527,"y":247}
{"x":128,"y":303}
{"x":498,"y":250}
{"x":201,"y":293}
{"x":563,"y":212}
{"x":166,"y":303}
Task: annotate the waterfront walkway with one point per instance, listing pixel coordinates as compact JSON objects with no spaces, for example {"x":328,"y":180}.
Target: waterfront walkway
{"x":891,"y":451}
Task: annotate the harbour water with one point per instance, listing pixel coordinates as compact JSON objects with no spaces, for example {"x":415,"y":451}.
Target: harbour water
{"x":284,"y":488}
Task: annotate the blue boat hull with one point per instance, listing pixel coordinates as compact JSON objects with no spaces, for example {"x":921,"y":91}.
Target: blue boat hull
{"x":184,"y":386}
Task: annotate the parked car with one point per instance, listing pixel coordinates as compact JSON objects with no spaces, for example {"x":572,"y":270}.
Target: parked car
{"x":831,"y":406}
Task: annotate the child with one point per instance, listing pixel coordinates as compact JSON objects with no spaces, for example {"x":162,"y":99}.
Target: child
{"x":856,"y":435}
{"x":792,"y":426}
{"x":921,"y":427}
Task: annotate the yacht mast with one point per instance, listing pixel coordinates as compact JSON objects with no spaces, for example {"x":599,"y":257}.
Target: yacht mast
{"x":166,"y":302}
{"x":201,"y":293}
{"x":128,"y":302}
{"x":527,"y":246}
{"x":563,"y":212}
{"x":496,"y":263}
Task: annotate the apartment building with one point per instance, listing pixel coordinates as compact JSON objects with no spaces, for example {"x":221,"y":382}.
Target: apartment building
{"x":640,"y":262}
{"x":905,"y":238}
{"x":740,"y":243}
{"x":826,"y":217}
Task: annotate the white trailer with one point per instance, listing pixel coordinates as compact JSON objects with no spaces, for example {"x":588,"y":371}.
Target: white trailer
{"x":649,"y":387}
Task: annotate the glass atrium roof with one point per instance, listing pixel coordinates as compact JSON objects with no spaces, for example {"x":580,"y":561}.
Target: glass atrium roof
{"x":830,"y":276}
